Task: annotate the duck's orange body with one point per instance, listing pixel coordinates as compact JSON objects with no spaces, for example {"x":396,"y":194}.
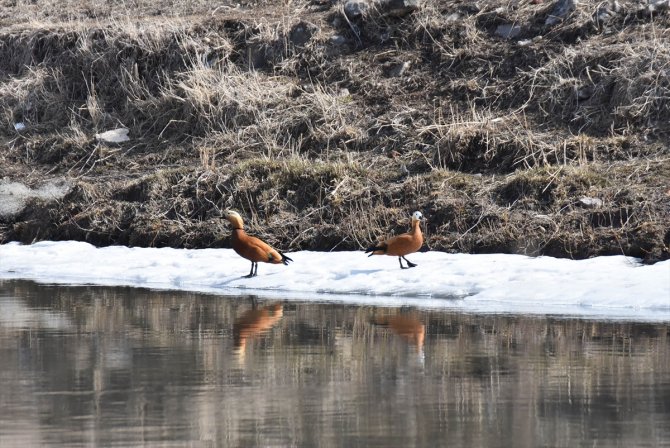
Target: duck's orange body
{"x":252,"y":248}
{"x":401,"y":245}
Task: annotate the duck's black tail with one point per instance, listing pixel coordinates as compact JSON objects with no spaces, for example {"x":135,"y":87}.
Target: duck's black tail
{"x":284,"y":258}
{"x":373,"y":249}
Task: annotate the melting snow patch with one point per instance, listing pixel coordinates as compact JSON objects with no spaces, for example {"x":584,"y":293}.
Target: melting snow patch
{"x":14,"y":195}
{"x":114,"y":136}
{"x":615,"y":287}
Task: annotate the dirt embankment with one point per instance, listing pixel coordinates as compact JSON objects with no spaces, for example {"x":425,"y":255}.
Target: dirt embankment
{"x":529,"y":126}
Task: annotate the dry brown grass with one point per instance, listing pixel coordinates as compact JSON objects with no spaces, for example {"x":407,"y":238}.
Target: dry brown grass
{"x":327,"y":146}
{"x":620,"y":90}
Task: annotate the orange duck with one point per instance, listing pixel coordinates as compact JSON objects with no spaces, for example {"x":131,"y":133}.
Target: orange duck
{"x":252,"y":248}
{"x":401,"y":245}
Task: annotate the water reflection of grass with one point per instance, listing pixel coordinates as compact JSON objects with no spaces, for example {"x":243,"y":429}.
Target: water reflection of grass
{"x":173,"y":356}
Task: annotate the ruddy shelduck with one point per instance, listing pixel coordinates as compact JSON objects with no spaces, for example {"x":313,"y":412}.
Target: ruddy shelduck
{"x":401,"y":245}
{"x":252,"y":248}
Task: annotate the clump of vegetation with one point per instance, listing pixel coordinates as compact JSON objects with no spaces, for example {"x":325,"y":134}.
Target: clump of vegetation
{"x":511,"y":129}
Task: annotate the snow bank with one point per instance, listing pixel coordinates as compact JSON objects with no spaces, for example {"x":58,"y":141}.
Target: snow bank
{"x":615,"y":287}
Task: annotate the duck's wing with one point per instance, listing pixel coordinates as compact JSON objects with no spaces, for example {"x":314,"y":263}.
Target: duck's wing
{"x":403,"y":244}
{"x":260,"y":251}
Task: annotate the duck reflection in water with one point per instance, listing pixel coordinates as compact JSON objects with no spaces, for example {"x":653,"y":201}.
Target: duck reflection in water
{"x":253,"y":323}
{"x":407,"y":326}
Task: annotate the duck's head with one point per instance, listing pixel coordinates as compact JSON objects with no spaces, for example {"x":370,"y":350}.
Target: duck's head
{"x":234,"y":218}
{"x":418,"y":216}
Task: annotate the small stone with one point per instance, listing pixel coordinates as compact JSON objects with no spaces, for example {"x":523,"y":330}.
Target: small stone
{"x":658,"y":5}
{"x":453,"y":17}
{"x":338,"y":40}
{"x":355,"y":8}
{"x":508,"y":31}
{"x":399,"y":8}
{"x":397,"y":70}
{"x":561,"y":10}
{"x":20,"y":126}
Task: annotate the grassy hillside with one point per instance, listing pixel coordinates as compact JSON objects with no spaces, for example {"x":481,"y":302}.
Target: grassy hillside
{"x":514,"y":127}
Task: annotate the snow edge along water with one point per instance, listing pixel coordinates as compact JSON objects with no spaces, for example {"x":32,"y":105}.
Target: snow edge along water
{"x":614,"y":287}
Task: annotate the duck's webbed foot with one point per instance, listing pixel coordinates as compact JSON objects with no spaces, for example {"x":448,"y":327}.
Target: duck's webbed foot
{"x":409,"y":263}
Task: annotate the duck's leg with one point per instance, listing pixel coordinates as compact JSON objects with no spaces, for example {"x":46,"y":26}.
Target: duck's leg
{"x":251,"y":273}
{"x":255,"y":269}
{"x":409,"y":263}
{"x":400,"y":261}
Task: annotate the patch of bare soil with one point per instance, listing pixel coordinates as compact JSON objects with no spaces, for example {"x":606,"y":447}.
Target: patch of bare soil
{"x":530,"y":126}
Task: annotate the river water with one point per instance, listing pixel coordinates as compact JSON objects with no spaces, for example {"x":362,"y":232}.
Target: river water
{"x":99,"y":366}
